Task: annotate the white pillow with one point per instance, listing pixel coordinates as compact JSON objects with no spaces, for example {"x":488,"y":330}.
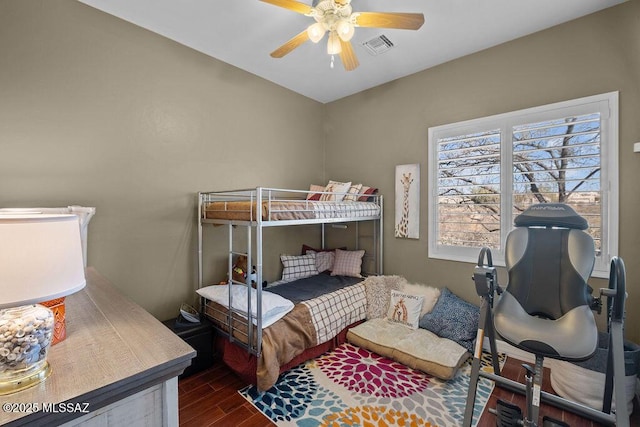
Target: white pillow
{"x":405,"y":309}
{"x":274,"y":306}
{"x":338,"y":190}
{"x":429,"y":293}
{"x":298,"y":266}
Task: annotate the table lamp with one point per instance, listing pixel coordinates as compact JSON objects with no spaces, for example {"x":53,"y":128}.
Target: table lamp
{"x":40,"y":259}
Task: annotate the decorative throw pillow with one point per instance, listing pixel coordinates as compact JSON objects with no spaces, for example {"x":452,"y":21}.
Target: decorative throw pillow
{"x":405,"y":309}
{"x":378,"y":292}
{"x":368,"y":191}
{"x":347,"y":263}
{"x":324,"y":260}
{"x":337,"y":190}
{"x":324,"y":257}
{"x":352,"y":193}
{"x":453,"y":318}
{"x":298,"y":266}
{"x":306,"y":248}
{"x":429,"y":293}
{"x":314,"y":192}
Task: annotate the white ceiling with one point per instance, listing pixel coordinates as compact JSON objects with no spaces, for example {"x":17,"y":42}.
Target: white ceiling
{"x":244,"y":32}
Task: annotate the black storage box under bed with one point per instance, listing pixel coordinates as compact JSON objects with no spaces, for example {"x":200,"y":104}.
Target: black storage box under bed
{"x":197,"y":335}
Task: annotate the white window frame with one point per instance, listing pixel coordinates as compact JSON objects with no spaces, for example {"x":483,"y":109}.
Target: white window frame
{"x":606,"y":104}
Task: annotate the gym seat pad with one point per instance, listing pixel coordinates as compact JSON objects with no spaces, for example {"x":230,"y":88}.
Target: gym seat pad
{"x":570,"y":337}
{"x":418,"y":349}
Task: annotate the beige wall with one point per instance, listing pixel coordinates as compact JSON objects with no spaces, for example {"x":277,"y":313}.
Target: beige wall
{"x":98,"y":112}
{"x":596,"y":54}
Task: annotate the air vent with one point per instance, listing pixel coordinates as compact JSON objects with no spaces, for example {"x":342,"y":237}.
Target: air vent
{"x":378,"y":45}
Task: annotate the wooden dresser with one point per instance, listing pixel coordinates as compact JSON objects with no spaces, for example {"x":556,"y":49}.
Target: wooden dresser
{"x":117,"y":366}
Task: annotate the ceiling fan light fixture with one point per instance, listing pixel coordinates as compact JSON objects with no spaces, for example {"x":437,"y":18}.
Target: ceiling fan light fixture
{"x":333,"y":46}
{"x":338,"y":19}
{"x":345,"y":30}
{"x":316,"y":32}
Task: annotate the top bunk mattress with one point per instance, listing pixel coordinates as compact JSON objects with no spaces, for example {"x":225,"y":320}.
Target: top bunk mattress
{"x":277,"y":210}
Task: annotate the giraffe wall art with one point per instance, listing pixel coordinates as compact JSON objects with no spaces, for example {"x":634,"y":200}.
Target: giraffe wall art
{"x":407,"y":201}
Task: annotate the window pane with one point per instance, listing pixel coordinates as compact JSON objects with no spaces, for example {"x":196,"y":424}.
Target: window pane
{"x":469,"y":190}
{"x":558,"y":161}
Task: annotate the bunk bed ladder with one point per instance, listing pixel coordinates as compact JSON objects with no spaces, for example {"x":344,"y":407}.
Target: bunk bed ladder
{"x":380,"y":243}
{"x":200,"y":213}
{"x":230,"y":281}
{"x":258,"y":349}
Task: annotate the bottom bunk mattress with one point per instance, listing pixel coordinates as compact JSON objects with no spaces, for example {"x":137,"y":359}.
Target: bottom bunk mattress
{"x":325,"y":306}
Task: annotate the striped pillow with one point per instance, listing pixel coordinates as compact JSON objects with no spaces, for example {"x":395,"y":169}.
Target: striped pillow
{"x":352,"y":194}
{"x":337,"y":190}
{"x":314,"y":190}
{"x":298,"y":266}
{"x":347,"y":263}
{"x":366,"y":190}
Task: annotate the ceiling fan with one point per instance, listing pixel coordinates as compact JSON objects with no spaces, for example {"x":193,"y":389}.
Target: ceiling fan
{"x":338,"y":19}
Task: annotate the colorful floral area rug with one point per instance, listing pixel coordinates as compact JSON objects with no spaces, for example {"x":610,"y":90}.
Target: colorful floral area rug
{"x":351,"y":386}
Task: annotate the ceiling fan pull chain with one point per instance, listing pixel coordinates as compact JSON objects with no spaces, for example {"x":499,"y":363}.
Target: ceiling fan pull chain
{"x":332,"y":59}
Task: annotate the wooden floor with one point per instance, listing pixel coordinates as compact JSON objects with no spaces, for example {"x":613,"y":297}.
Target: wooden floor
{"x":513,"y":369}
{"x":210,"y":398}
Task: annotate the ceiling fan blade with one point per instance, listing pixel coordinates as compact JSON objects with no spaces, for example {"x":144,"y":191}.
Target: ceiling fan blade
{"x":296,"y":6}
{"x":405,"y":21}
{"x":348,"y":56}
{"x":290,"y":45}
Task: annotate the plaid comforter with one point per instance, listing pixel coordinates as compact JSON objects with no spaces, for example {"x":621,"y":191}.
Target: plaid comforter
{"x":333,"y":312}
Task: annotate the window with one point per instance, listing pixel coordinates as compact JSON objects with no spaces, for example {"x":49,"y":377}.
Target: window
{"x":484,"y":172}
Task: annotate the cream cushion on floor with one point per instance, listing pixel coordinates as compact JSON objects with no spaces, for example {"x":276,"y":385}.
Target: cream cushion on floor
{"x":418,"y":349}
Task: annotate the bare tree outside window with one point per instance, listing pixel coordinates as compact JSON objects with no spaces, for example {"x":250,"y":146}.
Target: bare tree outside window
{"x":469,"y":190}
{"x":559,"y":162}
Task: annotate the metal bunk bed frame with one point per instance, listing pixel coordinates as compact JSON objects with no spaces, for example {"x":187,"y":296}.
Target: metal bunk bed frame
{"x":258,"y":196}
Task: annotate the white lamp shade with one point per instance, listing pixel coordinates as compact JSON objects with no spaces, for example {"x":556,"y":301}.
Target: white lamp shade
{"x":40,"y":258}
{"x":345,"y":30}
{"x":316,"y":32}
{"x":333,"y":46}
